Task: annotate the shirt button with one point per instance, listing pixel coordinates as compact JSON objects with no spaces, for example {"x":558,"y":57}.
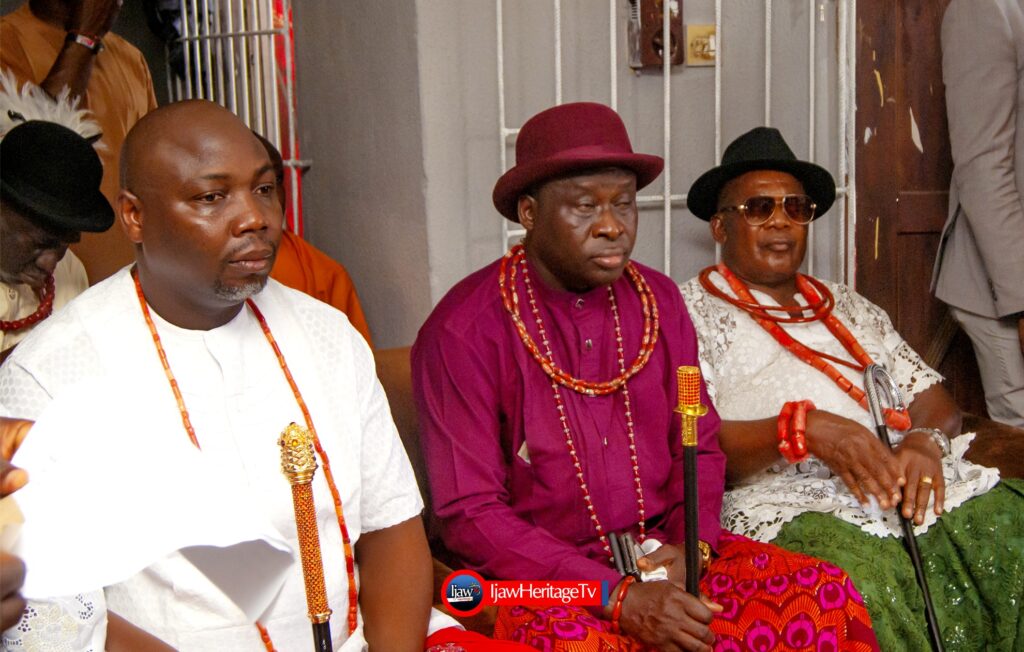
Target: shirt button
{"x":579,"y":303}
{"x":589,"y":344}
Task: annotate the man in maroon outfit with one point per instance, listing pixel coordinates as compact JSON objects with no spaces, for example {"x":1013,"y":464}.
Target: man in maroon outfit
{"x":545,"y":384}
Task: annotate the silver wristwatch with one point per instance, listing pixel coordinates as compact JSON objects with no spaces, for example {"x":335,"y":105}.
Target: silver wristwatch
{"x":939,"y":437}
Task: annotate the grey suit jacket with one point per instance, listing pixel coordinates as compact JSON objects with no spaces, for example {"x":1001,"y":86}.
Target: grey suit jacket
{"x":980,"y":265}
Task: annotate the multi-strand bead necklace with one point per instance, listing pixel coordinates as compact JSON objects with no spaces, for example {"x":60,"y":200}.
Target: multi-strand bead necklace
{"x":820,"y":304}
{"x":515,"y":262}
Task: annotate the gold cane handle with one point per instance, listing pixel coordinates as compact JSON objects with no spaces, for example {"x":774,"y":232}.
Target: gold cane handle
{"x":298,"y":462}
{"x":688,"y":404}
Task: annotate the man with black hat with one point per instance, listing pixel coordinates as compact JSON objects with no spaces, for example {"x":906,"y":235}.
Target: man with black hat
{"x":784,"y":356}
{"x":546,"y":384}
{"x":49,"y":194}
{"x":67,"y":46}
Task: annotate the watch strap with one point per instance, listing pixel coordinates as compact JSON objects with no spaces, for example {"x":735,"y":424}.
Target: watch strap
{"x":92,"y":43}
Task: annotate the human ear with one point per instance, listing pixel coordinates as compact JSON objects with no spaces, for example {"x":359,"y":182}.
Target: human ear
{"x":718,"y":231}
{"x":129,"y":214}
{"x":527,"y":211}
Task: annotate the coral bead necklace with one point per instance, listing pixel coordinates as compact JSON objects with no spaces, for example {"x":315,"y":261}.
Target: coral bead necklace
{"x":516,"y":259}
{"x":44,"y":310}
{"x":820,"y":303}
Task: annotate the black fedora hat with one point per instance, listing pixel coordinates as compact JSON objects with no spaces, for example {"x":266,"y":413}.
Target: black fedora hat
{"x":53,"y":175}
{"x":761,"y":148}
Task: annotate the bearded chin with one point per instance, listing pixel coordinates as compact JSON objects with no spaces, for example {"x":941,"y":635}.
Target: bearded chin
{"x":239,"y":293}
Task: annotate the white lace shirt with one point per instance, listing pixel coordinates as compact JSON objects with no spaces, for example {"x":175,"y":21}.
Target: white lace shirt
{"x":749,"y":376}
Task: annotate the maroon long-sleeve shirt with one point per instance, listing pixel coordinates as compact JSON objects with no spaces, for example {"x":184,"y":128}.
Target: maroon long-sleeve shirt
{"x":501,"y":477}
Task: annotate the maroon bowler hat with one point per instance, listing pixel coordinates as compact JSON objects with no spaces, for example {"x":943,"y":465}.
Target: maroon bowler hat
{"x":565,"y":139}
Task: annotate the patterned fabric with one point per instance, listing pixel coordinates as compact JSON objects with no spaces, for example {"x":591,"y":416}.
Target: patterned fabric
{"x":749,"y":376}
{"x":456,"y":639}
{"x":974,"y":561}
{"x":773,"y":599}
{"x":565,"y":629}
{"x":66,"y":625}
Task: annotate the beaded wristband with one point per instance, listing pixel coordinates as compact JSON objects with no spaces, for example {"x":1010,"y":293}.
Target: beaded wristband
{"x":792,"y":430}
{"x":619,"y":598}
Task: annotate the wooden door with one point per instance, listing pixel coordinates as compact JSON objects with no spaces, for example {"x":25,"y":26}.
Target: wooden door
{"x":903,"y":172}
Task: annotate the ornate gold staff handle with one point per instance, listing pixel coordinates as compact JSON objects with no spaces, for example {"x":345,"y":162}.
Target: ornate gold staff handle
{"x":690,"y":408}
{"x":298,"y":463}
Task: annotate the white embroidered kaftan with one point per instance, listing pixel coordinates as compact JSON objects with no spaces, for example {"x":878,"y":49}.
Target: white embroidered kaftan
{"x":749,"y":376}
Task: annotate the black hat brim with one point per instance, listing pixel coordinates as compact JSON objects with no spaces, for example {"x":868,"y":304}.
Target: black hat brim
{"x":702,"y":200}
{"x":91,"y":213}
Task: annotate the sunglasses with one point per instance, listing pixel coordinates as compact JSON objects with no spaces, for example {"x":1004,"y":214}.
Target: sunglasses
{"x":758,"y":210}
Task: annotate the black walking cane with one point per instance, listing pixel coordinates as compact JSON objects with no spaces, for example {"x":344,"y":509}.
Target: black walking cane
{"x":876,"y":376}
{"x":689,"y":408}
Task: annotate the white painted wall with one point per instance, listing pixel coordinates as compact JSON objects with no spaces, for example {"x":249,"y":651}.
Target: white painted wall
{"x":359,"y":122}
{"x":398,"y":110}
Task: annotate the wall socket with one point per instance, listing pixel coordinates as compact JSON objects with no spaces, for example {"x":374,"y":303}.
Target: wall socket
{"x":644,"y":33}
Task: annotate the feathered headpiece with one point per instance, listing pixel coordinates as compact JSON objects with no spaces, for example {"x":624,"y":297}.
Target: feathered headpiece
{"x":33,"y":103}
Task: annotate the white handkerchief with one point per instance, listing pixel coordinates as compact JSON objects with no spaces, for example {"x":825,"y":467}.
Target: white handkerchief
{"x":660,"y":573}
{"x":114,"y":489}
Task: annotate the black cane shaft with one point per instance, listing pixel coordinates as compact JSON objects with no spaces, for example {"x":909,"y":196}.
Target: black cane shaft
{"x":910,"y":543}
{"x":322,"y":637}
{"x":690,"y":500}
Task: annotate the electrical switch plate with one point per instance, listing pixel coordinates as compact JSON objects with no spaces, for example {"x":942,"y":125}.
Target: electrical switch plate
{"x":701,"y":45}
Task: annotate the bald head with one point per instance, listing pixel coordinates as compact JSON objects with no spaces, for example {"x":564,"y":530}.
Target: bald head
{"x":162,"y":136}
{"x":199,"y":202}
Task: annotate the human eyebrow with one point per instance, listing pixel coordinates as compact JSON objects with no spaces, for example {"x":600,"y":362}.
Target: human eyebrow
{"x":215,"y":176}
{"x":223,"y":176}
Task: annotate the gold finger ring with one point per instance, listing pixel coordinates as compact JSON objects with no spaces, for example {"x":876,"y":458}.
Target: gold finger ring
{"x":925,"y":479}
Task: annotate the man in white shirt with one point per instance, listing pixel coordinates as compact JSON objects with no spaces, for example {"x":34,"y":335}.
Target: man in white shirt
{"x":208,"y":353}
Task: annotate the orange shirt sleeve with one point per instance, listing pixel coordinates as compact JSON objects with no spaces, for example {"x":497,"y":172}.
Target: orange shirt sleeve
{"x":302,"y":266}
